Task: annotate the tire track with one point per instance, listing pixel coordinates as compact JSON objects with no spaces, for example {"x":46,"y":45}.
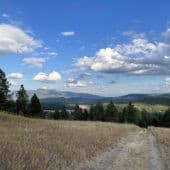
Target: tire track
{"x":139,"y":151}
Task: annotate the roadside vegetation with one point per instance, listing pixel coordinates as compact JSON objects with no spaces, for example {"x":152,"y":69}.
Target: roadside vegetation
{"x":34,"y":144}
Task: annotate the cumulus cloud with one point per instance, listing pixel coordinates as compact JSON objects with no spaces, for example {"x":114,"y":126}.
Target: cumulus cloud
{"x":16,"y":41}
{"x":73,"y":83}
{"x":15,"y":76}
{"x":34,"y":61}
{"x":48,"y":78}
{"x":138,"y":57}
{"x":68,"y":33}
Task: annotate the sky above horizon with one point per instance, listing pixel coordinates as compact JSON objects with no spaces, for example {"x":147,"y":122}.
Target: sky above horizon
{"x":103,"y":47}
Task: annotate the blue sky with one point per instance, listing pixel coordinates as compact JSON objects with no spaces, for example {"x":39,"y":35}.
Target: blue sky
{"x":105,"y":47}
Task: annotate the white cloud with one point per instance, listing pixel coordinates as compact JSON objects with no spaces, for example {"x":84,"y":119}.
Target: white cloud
{"x":5,"y":15}
{"x":52,"y":53}
{"x":167,"y":35}
{"x":137,"y":57}
{"x":14,"y":40}
{"x":15,"y":76}
{"x":73,"y":83}
{"x":68,"y":33}
{"x":84,"y":62}
{"x":34,"y":61}
{"x":167,"y":81}
{"x":76,"y":84}
{"x":48,"y":78}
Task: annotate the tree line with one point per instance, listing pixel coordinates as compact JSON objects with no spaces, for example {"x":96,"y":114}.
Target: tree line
{"x":109,"y":113}
{"x":98,"y":112}
{"x":22,"y":105}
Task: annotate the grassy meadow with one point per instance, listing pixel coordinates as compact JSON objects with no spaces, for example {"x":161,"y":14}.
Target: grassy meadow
{"x":36,"y":144}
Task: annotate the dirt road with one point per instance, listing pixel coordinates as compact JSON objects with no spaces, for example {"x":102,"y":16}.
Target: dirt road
{"x":139,"y":151}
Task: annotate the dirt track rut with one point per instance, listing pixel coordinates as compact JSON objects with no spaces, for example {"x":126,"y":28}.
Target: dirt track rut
{"x":139,"y":151}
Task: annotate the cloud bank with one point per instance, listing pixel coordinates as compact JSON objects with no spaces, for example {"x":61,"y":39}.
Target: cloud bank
{"x":14,"y":40}
{"x":138,"y":57}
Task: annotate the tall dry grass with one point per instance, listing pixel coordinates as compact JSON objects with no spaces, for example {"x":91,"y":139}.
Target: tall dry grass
{"x":163,"y":137}
{"x":34,"y":144}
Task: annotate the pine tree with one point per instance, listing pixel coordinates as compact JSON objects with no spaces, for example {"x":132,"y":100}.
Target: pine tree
{"x":131,"y":114}
{"x":77,"y":112}
{"x":111,"y":113}
{"x":64,"y":114}
{"x":56,"y":115}
{"x":166,"y":118}
{"x":35,"y":106}
{"x":85,"y":114}
{"x":22,"y":101}
{"x":4,"y":90}
{"x":92,"y":112}
{"x":99,"y":111}
{"x":61,"y":114}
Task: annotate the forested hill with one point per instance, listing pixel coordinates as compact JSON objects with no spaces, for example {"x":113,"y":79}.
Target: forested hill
{"x":163,"y":99}
{"x":54,"y":96}
{"x":148,"y":99}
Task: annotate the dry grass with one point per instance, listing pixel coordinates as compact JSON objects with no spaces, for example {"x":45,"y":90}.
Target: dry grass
{"x":163,"y":137}
{"x":35,"y":144}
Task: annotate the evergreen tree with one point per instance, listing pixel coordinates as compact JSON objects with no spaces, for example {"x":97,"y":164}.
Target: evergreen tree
{"x":130,"y":114}
{"x":123,"y":117}
{"x":157,"y":119}
{"x":146,"y":119}
{"x":61,"y":114}
{"x":64,"y":114}
{"x":85,"y":114}
{"x":99,"y":112}
{"x":111,"y":113}
{"x":35,"y":106}
{"x":91,"y":112}
{"x":166,"y":118}
{"x":22,"y":101}
{"x":4,"y":91}
{"x":77,"y":112}
{"x":56,"y":115}
{"x":10,"y":106}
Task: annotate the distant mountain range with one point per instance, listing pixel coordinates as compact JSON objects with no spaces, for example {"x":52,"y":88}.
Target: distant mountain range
{"x":163,"y":99}
{"x":66,"y":97}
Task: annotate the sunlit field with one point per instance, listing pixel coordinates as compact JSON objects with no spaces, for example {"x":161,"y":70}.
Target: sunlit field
{"x":46,"y":144}
{"x":140,"y":106}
